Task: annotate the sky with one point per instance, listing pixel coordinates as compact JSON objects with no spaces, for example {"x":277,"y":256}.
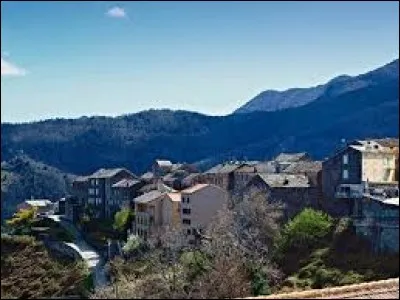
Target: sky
{"x":71,"y":59}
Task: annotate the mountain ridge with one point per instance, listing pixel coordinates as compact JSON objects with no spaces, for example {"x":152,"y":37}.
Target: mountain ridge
{"x":273,"y":100}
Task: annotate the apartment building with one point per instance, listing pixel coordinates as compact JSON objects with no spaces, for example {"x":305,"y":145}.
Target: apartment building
{"x":155,"y":210}
{"x":199,"y":206}
{"x":100,"y":196}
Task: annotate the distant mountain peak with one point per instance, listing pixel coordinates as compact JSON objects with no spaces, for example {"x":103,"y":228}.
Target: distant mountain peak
{"x":272,"y":100}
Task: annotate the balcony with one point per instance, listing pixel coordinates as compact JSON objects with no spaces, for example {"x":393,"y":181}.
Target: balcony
{"x":348,"y":192}
{"x":143,"y":219}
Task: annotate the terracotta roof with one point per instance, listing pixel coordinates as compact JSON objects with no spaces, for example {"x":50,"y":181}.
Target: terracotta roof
{"x":175,"y":197}
{"x":195,"y":188}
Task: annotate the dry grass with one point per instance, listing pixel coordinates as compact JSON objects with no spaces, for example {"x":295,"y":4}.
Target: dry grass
{"x":347,"y":291}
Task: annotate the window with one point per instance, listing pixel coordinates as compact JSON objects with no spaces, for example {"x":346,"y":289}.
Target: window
{"x":345,"y":159}
{"x":97,"y":181}
{"x":92,"y":182}
{"x":345,"y":174}
{"x":186,"y":221}
{"x":186,"y":211}
{"x":187,"y":200}
{"x":91,"y":191}
{"x":96,"y":191}
{"x":188,"y":231}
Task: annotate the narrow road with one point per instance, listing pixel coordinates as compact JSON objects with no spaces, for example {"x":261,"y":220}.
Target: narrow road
{"x":93,"y":259}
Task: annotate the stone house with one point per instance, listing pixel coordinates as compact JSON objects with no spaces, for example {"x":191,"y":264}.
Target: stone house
{"x":346,"y":174}
{"x":283,"y":160}
{"x":377,"y":219}
{"x":221,"y":175}
{"x":124,"y":191}
{"x":189,"y":180}
{"x":293,"y":191}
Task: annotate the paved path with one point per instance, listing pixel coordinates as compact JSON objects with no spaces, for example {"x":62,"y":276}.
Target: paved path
{"x":88,"y":253}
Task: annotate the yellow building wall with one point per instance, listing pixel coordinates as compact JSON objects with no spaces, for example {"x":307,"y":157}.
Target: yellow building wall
{"x":378,"y":167}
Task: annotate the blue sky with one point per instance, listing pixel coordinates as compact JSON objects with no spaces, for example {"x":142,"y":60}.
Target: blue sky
{"x":69,"y":59}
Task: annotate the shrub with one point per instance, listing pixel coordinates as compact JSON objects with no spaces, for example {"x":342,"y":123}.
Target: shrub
{"x":306,"y":230}
{"x":122,"y":220}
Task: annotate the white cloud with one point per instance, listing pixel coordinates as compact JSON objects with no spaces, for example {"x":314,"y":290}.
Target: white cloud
{"x":8,"y":69}
{"x":116,"y":12}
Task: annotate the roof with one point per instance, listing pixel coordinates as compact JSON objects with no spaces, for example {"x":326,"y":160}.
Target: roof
{"x":147,"y":175}
{"x":285,"y":180}
{"x":266,"y":167}
{"x":223,"y":168}
{"x":155,"y":186}
{"x":170,"y":176}
{"x":81,"y":179}
{"x":164,"y":163}
{"x":383,"y":200}
{"x":304,"y":166}
{"x":191,"y":176}
{"x":39,"y":202}
{"x":291,"y":157}
{"x":176,"y":167}
{"x":387,"y":142}
{"x":126,"y":183}
{"x":391,"y":201}
{"x":175,"y":197}
{"x":371,"y":148}
{"x":107,"y":173}
{"x":195,"y":188}
{"x":148,"y":197}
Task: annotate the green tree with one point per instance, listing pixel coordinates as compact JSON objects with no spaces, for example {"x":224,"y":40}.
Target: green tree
{"x":122,"y":220}
{"x":300,"y":236}
{"x":22,"y":220}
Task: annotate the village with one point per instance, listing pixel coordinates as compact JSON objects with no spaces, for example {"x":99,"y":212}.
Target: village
{"x":359,"y":180}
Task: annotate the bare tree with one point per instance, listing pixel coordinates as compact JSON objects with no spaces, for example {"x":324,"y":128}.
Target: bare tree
{"x":237,"y":239}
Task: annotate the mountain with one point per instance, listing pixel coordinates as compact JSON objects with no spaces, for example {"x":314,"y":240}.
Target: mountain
{"x":272,"y":100}
{"x":22,"y":177}
{"x":366,"y":106}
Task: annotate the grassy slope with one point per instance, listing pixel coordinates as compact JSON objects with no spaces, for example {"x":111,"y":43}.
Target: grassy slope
{"x":28,"y":271}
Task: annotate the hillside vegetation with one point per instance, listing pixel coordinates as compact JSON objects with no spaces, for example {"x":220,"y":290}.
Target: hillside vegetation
{"x":28,"y":271}
{"x":23,"y":178}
